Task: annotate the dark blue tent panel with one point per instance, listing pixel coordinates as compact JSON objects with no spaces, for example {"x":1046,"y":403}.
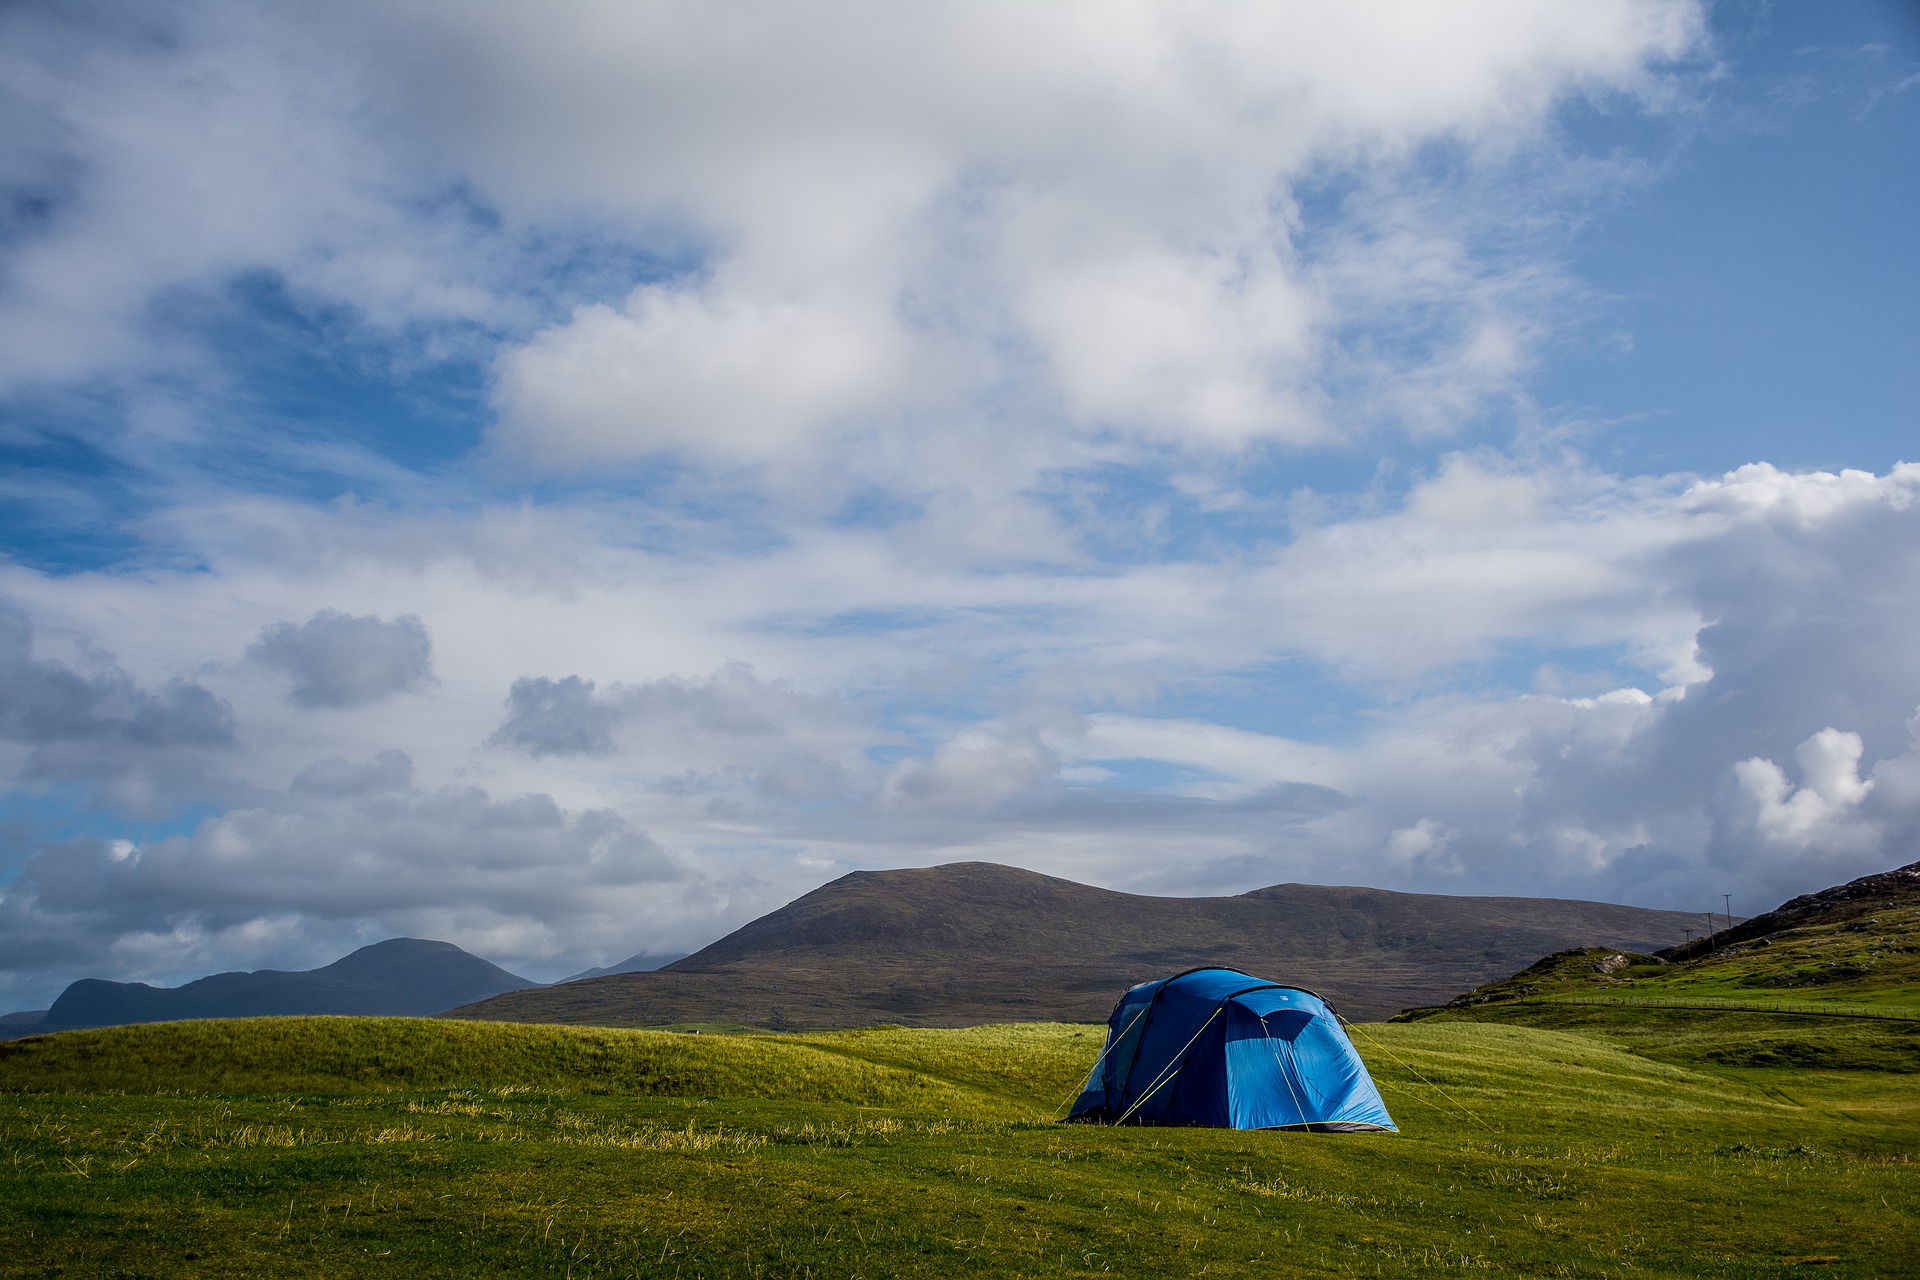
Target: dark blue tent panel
{"x":1217,"y":1047}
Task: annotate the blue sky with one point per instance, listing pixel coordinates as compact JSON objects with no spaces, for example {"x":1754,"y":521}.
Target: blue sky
{"x":1767,"y":275}
{"x":568,"y":486}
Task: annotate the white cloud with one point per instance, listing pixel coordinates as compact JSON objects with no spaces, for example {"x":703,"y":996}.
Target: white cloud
{"x":897,"y":710}
{"x":1253,"y":758}
{"x":335,"y":660}
{"x":1215,"y":348}
{"x":91,"y":723}
{"x":517,"y":878}
{"x":1424,"y":846}
{"x":1821,"y":810}
{"x":1093,"y":200}
{"x":698,"y":372}
{"x":975,"y":771}
{"x":175,"y":150}
{"x":860,"y":215}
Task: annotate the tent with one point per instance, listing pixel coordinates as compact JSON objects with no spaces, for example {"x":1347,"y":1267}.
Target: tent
{"x":1217,"y":1047}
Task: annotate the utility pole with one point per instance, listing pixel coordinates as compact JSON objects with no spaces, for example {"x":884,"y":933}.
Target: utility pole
{"x":1711,"y":945}
{"x":1729,"y":898}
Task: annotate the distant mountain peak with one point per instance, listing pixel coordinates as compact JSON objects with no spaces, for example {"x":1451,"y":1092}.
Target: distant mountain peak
{"x":399,"y":976}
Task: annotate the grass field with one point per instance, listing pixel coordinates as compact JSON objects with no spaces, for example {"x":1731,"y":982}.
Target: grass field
{"x":343,"y":1147}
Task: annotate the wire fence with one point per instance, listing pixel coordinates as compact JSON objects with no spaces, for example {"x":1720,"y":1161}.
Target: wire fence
{"x":1820,"y":1008}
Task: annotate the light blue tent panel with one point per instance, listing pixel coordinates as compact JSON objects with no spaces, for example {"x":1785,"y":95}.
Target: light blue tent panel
{"x":1222,"y":1048}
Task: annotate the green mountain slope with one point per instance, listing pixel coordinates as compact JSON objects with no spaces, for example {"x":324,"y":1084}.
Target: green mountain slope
{"x":1828,"y":981}
{"x":1856,"y":944}
{"x":972,"y":943}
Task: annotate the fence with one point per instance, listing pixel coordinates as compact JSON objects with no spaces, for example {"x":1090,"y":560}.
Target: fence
{"x":1811,"y":1008}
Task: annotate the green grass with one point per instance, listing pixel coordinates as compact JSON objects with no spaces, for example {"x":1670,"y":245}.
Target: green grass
{"x":1712,"y":1039}
{"x":1896,"y":1006}
{"x":317,"y":1055}
{"x":1858,"y":964}
{"x":346,"y":1147}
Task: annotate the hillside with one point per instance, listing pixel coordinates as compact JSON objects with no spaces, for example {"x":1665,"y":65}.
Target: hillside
{"x":399,"y":976}
{"x":973,"y":942}
{"x":1857,"y":942}
{"x":403,"y":1147}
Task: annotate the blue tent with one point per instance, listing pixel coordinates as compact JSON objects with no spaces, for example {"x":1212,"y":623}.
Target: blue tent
{"x":1217,"y":1047}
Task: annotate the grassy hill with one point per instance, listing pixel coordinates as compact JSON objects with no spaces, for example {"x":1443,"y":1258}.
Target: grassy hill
{"x":378,"y":1055}
{"x":389,"y":1147}
{"x":1854,"y":948}
{"x":975,"y":943}
{"x":1827,"y":981}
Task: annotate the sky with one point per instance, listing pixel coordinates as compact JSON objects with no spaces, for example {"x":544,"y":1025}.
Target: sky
{"x":566,"y":479}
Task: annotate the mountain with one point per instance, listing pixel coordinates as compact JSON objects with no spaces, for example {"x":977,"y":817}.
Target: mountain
{"x":972,"y":942}
{"x":1858,"y":941}
{"x":398,"y":976}
{"x":644,"y":962}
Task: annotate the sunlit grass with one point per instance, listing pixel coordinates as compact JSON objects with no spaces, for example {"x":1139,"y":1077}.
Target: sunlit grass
{"x":269,"y":1147}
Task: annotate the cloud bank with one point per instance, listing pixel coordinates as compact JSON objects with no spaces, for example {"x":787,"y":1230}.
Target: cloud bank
{"x":1671,"y":686}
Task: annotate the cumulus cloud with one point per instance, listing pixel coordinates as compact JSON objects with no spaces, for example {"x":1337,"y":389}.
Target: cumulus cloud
{"x":557,"y":718}
{"x":1111,"y":204}
{"x":731,"y":702}
{"x":1424,"y":846}
{"x":171,"y":151}
{"x":696,"y":372}
{"x":339,"y":661}
{"x":1758,"y":609}
{"x":570,"y":716}
{"x":1830,"y":794}
{"x":864,"y":218}
{"x":96,"y":725}
{"x":976,"y":770}
{"x":496,"y":874}
{"x":45,"y":702}
{"x":338,"y":778}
